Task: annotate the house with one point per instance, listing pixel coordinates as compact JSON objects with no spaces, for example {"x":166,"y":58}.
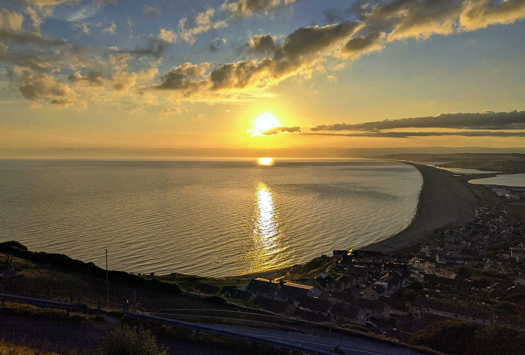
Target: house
{"x":397,"y":307}
{"x":424,"y":305}
{"x":291,"y":291}
{"x":361,"y":274}
{"x":373,"y":292}
{"x":344,"y":283}
{"x":338,"y":254}
{"x":344,"y":314}
{"x":263,"y":287}
{"x":346,"y":297}
{"x":323,"y":281}
{"x":374,"y":308}
{"x":272,"y":305}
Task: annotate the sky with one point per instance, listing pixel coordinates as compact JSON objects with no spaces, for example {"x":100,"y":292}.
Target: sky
{"x":159,"y":74}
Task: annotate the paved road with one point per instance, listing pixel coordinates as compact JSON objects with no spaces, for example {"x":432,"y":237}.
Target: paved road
{"x":322,"y":340}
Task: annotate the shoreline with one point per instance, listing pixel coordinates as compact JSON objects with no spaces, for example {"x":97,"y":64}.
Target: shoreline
{"x":444,"y":200}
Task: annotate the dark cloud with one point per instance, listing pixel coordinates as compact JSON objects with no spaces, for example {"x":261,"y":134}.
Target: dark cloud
{"x":281,"y":130}
{"x":483,"y":13}
{"x":299,"y":51}
{"x":360,"y":45}
{"x":155,"y":48}
{"x":259,"y":46}
{"x":186,"y":78}
{"x":44,"y":88}
{"x":313,"y":39}
{"x":216,"y":44}
{"x":29,"y":38}
{"x":483,"y":120}
{"x":423,"y":134}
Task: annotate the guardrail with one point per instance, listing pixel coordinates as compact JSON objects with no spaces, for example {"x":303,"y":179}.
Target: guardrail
{"x":214,"y":331}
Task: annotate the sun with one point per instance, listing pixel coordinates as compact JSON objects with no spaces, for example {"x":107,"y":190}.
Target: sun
{"x":265,"y":121}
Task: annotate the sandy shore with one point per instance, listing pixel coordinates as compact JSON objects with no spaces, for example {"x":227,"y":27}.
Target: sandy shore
{"x":444,"y":200}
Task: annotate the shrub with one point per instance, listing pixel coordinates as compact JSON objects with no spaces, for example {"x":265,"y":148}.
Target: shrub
{"x":448,"y":337}
{"x":125,"y":340}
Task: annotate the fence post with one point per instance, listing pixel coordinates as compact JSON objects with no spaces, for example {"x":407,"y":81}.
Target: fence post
{"x":98,"y":306}
{"x":124,"y":305}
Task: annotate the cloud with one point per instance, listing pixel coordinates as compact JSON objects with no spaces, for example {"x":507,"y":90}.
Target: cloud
{"x":111,"y":29}
{"x":402,"y":19}
{"x":186,"y":79}
{"x":482,"y":120}
{"x":50,"y":2}
{"x":119,"y":81}
{"x":204,"y":22}
{"x":171,"y":110}
{"x":216,"y":44}
{"x":43,"y":87}
{"x":360,"y":45}
{"x":155,"y":48}
{"x":281,"y":130}
{"x":10,"y":21}
{"x":150,"y":11}
{"x":483,"y":13}
{"x":167,"y":36}
{"x":243,"y":8}
{"x":259,"y":46}
{"x":266,"y":61}
{"x":83,"y":27}
{"x":119,"y":61}
{"x":37,"y":16}
{"x":298,"y":54}
{"x":423,"y":134}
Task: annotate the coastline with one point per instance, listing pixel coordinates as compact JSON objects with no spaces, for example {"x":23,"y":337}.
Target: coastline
{"x":444,"y":200}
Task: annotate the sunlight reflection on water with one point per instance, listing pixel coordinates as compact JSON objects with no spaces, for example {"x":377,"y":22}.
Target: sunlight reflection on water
{"x":267,"y":249}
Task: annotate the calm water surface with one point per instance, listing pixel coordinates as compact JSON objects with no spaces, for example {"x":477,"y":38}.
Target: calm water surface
{"x":514,"y":180}
{"x":213,"y":218}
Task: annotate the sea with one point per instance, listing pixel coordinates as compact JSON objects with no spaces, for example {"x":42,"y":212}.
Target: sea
{"x":203,"y":217}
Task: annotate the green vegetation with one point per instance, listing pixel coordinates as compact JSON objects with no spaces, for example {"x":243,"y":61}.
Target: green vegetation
{"x":464,"y":338}
{"x":11,"y":349}
{"x":63,"y":262}
{"x":125,"y":340}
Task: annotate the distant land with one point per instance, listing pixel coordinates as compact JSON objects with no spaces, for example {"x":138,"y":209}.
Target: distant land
{"x":200,"y":153}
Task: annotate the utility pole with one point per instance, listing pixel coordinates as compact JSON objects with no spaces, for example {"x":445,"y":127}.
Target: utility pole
{"x":107,"y":280}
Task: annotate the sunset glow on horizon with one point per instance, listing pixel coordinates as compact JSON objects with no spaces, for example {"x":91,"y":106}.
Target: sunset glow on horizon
{"x":214,"y":74}
{"x":265,"y":161}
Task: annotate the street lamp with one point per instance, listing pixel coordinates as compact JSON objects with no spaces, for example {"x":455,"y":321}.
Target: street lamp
{"x":107,"y":280}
